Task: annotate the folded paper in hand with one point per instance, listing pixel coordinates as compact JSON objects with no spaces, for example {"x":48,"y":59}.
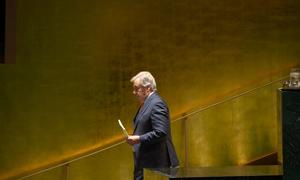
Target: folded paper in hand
{"x":124,"y":131}
{"x":123,"y":128}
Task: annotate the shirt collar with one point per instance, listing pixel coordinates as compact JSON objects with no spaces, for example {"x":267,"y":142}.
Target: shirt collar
{"x":148,"y":96}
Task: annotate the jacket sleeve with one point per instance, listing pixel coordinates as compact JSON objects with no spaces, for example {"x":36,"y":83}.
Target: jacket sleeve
{"x":160,"y":124}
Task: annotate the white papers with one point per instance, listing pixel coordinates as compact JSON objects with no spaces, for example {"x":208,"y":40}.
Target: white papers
{"x":123,"y":128}
{"x":124,"y":131}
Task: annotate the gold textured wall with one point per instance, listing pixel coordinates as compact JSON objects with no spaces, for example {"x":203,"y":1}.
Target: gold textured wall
{"x":234,"y":132}
{"x":74,"y":60}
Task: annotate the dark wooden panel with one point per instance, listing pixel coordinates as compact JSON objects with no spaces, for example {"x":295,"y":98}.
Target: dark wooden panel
{"x":291,"y":133}
{"x":2,"y":30}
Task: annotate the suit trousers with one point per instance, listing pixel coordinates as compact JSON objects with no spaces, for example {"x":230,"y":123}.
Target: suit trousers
{"x":138,"y":171}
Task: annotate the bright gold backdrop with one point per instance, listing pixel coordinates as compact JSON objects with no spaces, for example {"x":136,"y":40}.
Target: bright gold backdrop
{"x":74,"y":60}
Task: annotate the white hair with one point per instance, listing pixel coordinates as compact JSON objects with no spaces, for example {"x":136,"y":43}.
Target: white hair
{"x":146,"y":79}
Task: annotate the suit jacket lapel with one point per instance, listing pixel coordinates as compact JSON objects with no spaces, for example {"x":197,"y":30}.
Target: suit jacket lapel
{"x":142,"y":110}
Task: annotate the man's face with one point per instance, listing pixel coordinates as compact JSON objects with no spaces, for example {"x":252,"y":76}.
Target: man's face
{"x":139,"y":91}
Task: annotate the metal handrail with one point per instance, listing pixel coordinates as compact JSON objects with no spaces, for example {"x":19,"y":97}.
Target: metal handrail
{"x":177,"y":119}
{"x":228,"y":99}
{"x":72,"y":160}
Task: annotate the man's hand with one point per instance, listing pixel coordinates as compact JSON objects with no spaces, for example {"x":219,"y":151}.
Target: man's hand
{"x":133,"y":139}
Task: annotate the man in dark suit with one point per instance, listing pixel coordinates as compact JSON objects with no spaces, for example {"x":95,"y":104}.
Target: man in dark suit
{"x":151,"y":139}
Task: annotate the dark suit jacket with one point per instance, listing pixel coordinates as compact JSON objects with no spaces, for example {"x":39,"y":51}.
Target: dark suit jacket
{"x":152,"y":124}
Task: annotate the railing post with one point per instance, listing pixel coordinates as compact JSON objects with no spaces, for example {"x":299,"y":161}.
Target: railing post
{"x":185,"y":127}
{"x":66,"y":172}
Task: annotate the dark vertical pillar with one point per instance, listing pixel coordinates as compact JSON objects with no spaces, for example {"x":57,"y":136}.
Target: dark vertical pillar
{"x":290,"y":115}
{"x":2,"y":30}
{"x":10,"y":32}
